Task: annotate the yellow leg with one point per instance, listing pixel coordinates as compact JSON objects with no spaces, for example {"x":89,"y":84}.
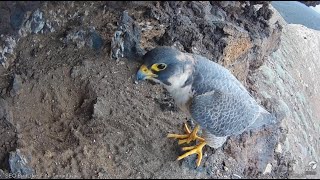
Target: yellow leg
{"x":193,"y":150}
{"x":187,"y":138}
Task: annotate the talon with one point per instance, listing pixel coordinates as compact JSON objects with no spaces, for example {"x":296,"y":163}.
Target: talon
{"x":186,"y":128}
{"x":188,"y":137}
{"x":193,"y":150}
{"x":188,"y":148}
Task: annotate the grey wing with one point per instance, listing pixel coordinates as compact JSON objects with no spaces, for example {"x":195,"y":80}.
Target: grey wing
{"x":223,"y":114}
{"x":221,"y":104}
{"x":210,"y":76}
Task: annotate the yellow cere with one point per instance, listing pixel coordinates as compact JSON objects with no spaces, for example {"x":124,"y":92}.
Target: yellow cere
{"x":147,"y":72}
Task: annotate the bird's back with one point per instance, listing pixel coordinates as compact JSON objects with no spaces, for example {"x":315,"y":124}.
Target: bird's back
{"x":221,"y":103}
{"x":212,"y":76}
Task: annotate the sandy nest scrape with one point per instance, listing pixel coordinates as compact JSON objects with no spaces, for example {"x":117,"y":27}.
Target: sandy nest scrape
{"x":75,"y":112}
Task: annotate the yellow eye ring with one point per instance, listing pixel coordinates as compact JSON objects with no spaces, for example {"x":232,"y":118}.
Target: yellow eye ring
{"x":158,"y":67}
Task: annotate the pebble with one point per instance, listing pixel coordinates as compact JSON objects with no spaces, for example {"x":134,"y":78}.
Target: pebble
{"x":37,"y":21}
{"x":236,"y":175}
{"x":19,"y":164}
{"x":16,"y":85}
{"x":225,"y":168}
{"x":268,"y":169}
{"x":278,"y":148}
{"x":313,"y":164}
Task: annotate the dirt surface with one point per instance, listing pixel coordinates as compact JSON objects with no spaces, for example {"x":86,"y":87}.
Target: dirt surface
{"x":69,"y":110}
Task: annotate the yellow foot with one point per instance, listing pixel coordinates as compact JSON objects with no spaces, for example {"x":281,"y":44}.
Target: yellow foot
{"x":193,"y":150}
{"x":188,"y":137}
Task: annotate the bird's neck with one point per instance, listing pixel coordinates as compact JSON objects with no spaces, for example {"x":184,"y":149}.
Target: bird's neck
{"x":181,"y":94}
{"x":180,"y":87}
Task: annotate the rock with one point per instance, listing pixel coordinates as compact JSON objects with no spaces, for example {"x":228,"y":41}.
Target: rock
{"x":101,"y":108}
{"x":238,"y":45}
{"x":16,"y":85}
{"x":7,"y":49}
{"x":84,"y":37}
{"x":19,"y":164}
{"x":49,"y":27}
{"x":117,"y":45}
{"x":207,"y":28}
{"x":13,"y":14}
{"x":278,"y":149}
{"x":96,"y":42}
{"x":294,"y":86}
{"x":237,"y":176}
{"x":122,"y":5}
{"x":34,"y":24}
{"x":313,"y":164}
{"x":77,"y":37}
{"x":75,"y":71}
{"x":126,"y":40}
{"x":310,"y":3}
{"x":268,"y":169}
{"x":103,"y":174}
{"x":225,"y":168}
{"x":3,"y":175}
{"x":5,"y":114}
{"x":17,"y":18}
{"x":37,"y":21}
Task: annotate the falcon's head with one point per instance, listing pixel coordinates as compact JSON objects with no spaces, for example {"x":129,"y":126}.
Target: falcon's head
{"x":166,"y":65}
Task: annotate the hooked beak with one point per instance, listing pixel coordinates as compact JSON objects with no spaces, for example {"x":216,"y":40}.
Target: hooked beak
{"x":144,"y":73}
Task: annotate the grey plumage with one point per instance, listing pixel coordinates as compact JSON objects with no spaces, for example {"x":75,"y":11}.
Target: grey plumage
{"x":213,"y":97}
{"x":221,"y":104}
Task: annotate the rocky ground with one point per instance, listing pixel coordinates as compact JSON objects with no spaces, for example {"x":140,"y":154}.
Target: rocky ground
{"x":70,"y":107}
{"x":289,"y":80}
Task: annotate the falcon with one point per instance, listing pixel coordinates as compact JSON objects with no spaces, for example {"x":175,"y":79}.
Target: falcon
{"x":208,"y":93}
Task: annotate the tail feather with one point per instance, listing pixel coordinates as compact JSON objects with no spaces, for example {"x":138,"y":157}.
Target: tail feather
{"x":264,"y":118}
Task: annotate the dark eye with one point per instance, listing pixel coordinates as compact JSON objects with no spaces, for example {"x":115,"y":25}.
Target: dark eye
{"x":161,"y":66}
